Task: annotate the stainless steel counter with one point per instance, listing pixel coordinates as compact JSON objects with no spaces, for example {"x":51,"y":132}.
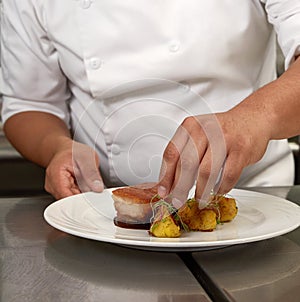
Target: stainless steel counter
{"x":263,"y":271}
{"x":40,"y":263}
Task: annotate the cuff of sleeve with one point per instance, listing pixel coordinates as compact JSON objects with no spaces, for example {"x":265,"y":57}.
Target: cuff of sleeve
{"x":12,"y":106}
{"x":291,"y":56}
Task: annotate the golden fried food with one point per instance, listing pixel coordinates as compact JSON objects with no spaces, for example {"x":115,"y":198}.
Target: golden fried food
{"x":190,"y":218}
{"x":196,"y":219}
{"x":227,"y":208}
{"x":206,"y":220}
{"x":165,"y":228}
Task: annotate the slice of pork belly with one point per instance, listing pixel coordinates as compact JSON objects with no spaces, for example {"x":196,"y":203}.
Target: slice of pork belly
{"x":133,"y":205}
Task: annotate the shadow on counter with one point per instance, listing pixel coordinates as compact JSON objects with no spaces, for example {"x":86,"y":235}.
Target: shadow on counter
{"x":19,"y":177}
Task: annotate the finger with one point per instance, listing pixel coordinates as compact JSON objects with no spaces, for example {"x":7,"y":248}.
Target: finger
{"x":167,"y":170}
{"x":231,"y":172}
{"x":170,"y":159}
{"x":59,"y":193}
{"x":211,"y":166}
{"x":188,"y":166}
{"x":68,"y":188}
{"x":88,"y":178}
{"x":86,"y":169}
{"x":62,"y":185}
{"x":208,"y":175}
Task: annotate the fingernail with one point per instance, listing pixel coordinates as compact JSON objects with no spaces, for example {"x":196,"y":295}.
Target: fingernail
{"x":97,"y":186}
{"x":202,"y":203}
{"x":162,"y":191}
{"x":177,"y":203}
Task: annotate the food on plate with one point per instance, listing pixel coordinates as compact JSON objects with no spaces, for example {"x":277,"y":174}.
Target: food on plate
{"x":133,"y":205}
{"x":196,"y":219}
{"x":141,"y":207}
{"x":227,"y":208}
{"x":189,"y":217}
{"x":164,"y":224}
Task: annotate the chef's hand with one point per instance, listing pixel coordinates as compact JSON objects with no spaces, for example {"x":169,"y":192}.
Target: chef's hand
{"x":73,"y":170}
{"x":212,"y":151}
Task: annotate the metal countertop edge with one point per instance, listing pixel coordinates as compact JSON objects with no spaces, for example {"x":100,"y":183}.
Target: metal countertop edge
{"x":215,"y":292}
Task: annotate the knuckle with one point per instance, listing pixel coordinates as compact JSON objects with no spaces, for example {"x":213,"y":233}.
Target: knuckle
{"x":171,"y":153}
{"x":48,"y":176}
{"x":188,"y":163}
{"x":241,"y":144}
{"x":230,"y":178}
{"x":47,"y":188}
{"x":205,"y":172}
{"x":188,"y":122}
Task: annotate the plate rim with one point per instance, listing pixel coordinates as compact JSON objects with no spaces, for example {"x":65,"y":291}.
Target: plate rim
{"x":161,"y":243}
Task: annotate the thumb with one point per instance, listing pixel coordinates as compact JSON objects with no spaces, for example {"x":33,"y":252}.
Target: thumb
{"x":97,"y":185}
{"x":89,"y":179}
{"x":87,"y":172}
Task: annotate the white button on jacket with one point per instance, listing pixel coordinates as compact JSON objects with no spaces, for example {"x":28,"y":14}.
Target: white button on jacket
{"x":174,"y":46}
{"x":95,"y":63}
{"x":53,"y":53}
{"x":85,"y":3}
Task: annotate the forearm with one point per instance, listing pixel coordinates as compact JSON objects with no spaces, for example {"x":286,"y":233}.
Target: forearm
{"x":37,"y":135}
{"x":276,"y":106}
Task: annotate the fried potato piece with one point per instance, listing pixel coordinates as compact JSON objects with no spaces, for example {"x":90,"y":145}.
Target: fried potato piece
{"x":165,"y":228}
{"x":164,"y":225}
{"x":227,"y":208}
{"x":196,"y":219}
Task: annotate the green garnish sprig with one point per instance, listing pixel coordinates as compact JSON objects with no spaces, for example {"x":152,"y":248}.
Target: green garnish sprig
{"x":159,"y":207}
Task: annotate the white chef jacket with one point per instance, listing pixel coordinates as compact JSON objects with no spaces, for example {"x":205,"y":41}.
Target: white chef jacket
{"x":124,"y":74}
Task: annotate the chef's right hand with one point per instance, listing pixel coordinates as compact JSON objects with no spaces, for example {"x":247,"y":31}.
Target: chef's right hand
{"x":72,"y":170}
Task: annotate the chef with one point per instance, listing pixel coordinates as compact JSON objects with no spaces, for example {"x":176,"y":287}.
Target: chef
{"x":110,"y":93}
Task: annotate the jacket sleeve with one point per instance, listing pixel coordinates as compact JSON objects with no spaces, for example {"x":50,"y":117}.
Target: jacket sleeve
{"x":285,"y":17}
{"x":32,"y":79}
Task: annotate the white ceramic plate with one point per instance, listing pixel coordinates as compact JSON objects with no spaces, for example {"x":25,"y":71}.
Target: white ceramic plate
{"x":90,"y":215}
